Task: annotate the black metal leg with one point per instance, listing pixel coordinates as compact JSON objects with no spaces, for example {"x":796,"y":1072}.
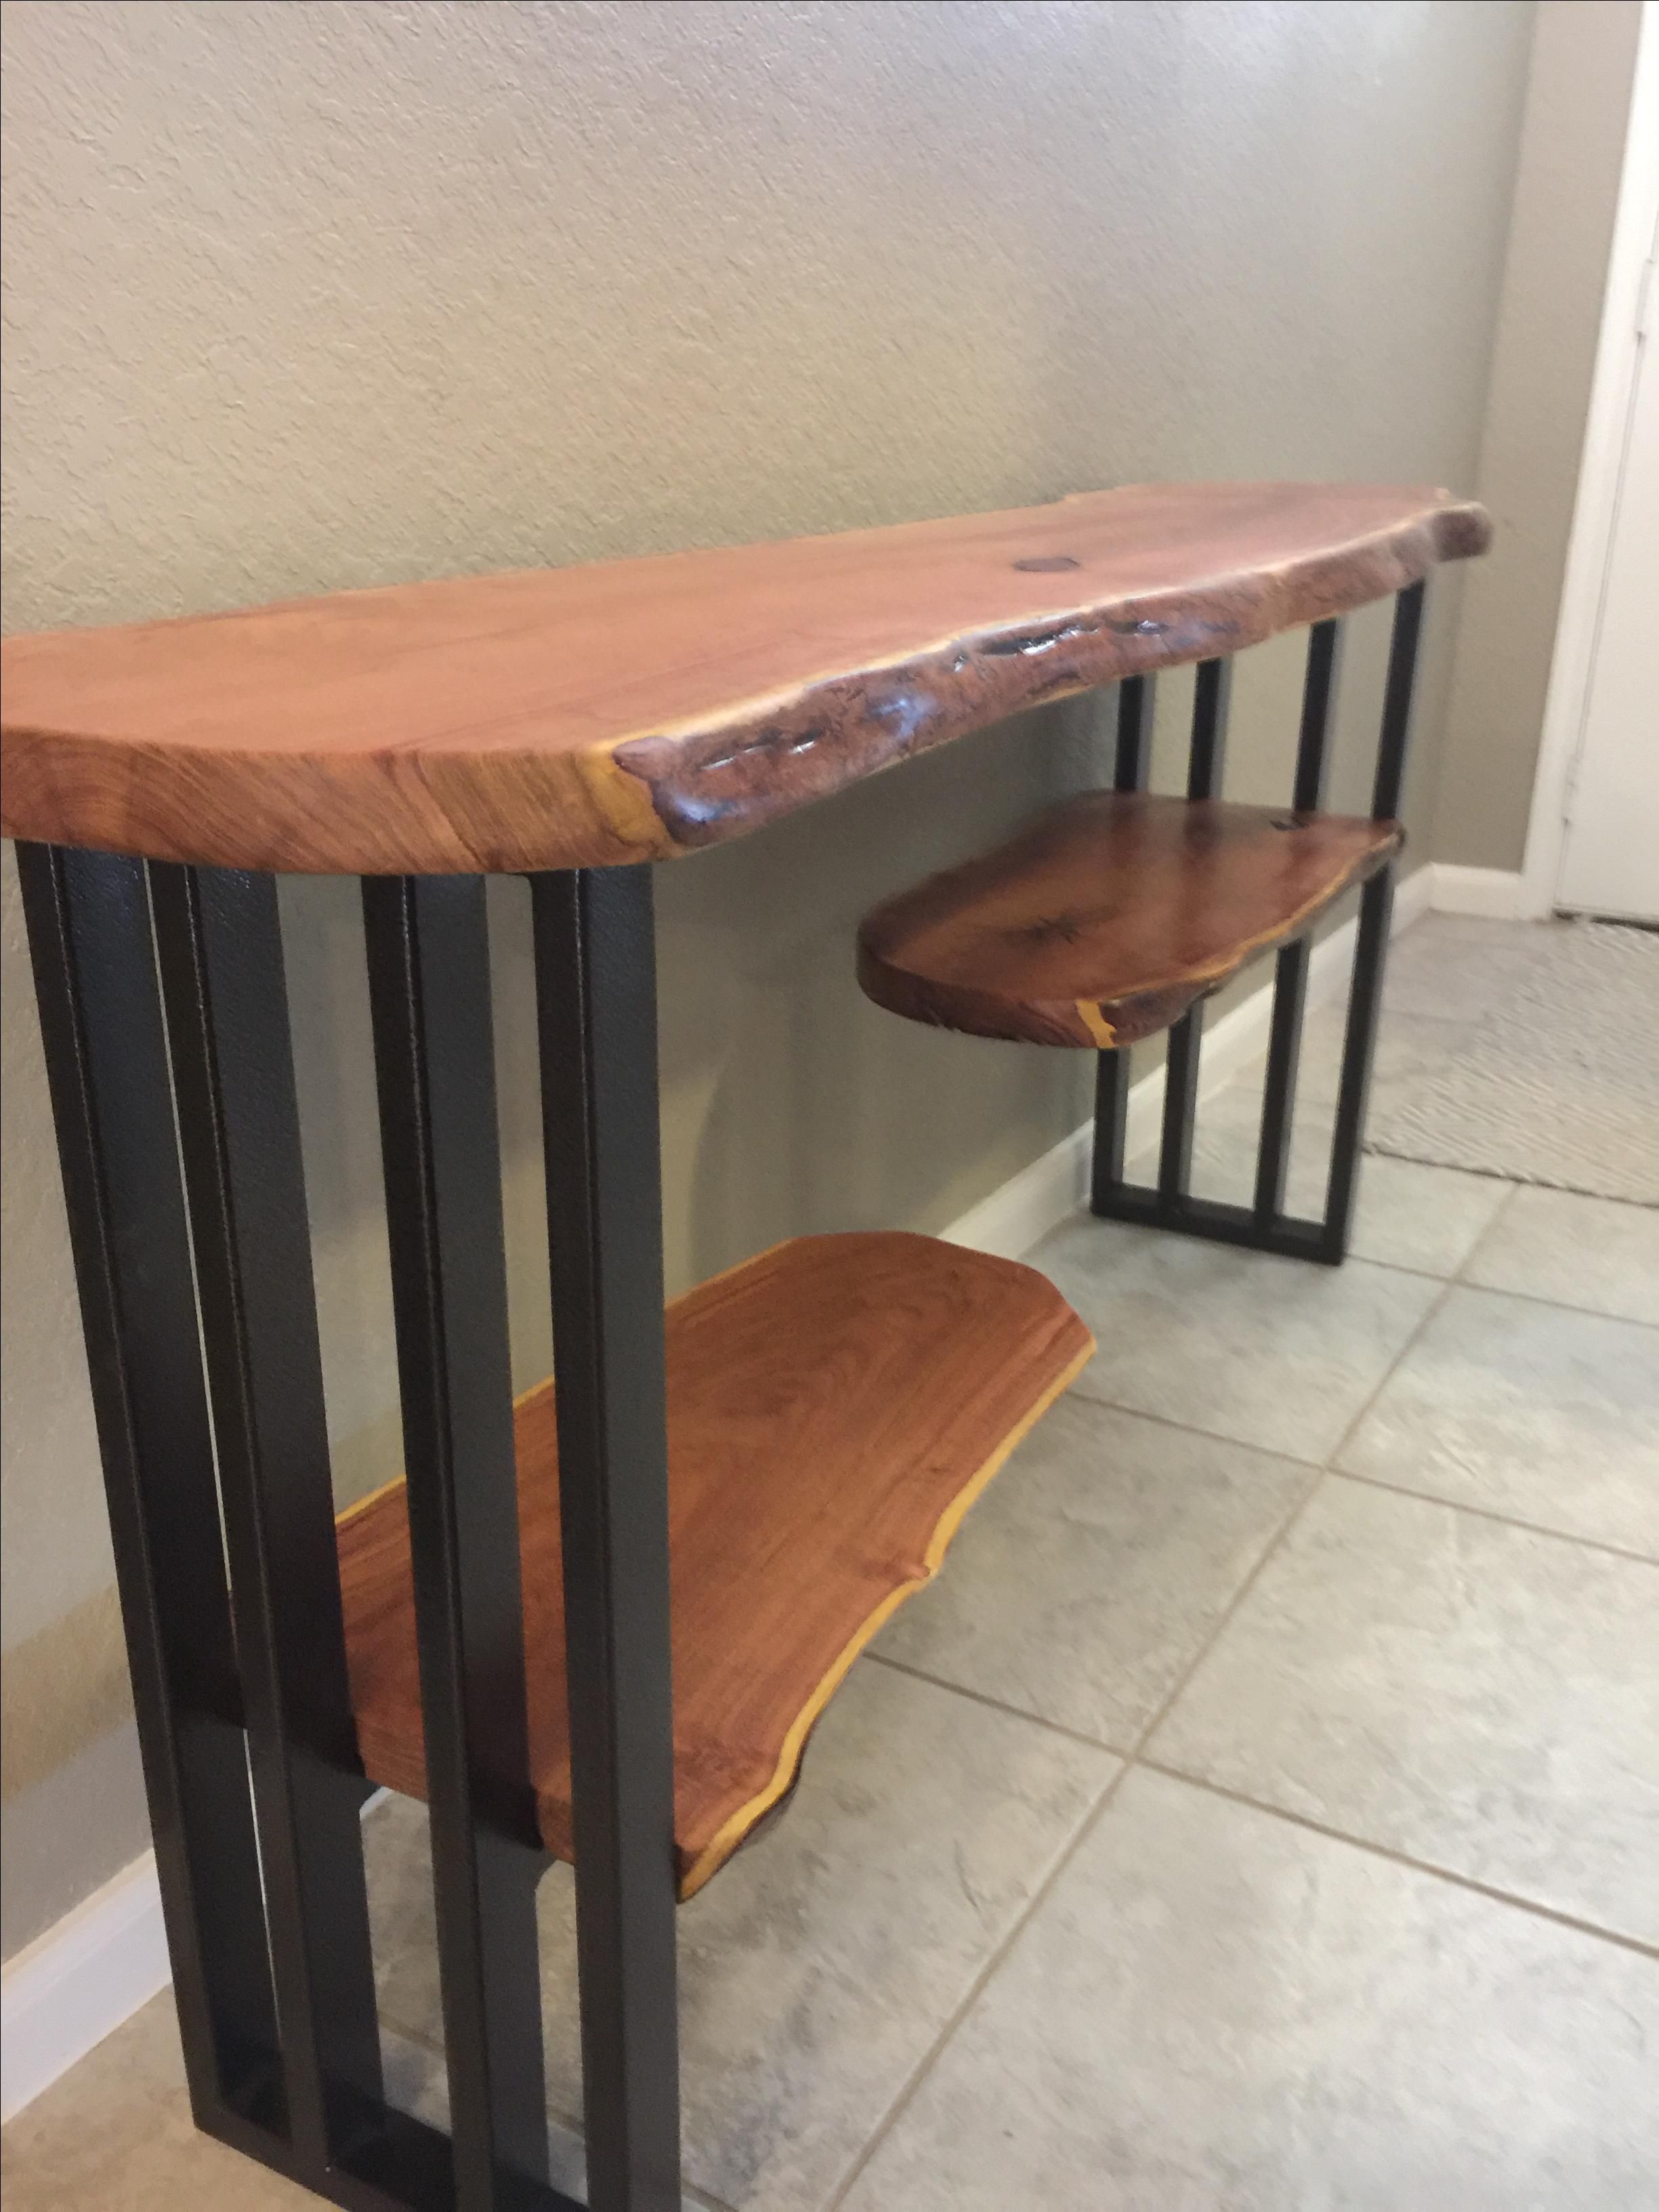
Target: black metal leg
{"x":314,"y":2114}
{"x":596,"y":984}
{"x":429,"y":983}
{"x":1398,"y":695}
{"x":1174,"y":1159}
{"x":1264,"y":1226}
{"x":88,"y":923}
{"x":1371,"y":944}
{"x":1213,"y":694}
{"x":1137,"y":701}
{"x":1114,"y":1071}
{"x":1290,"y":979}
{"x":1358,"y":1044}
{"x":220,"y":948}
{"x":1278,"y":1087}
{"x":1211,"y":700}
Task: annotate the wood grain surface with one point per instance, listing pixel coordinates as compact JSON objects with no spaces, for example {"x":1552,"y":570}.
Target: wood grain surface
{"x":834,"y":1407}
{"x":630,"y":710}
{"x":1102,"y":920}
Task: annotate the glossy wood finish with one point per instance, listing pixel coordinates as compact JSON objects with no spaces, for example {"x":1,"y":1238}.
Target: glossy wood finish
{"x":834,"y":1407}
{"x":635,"y":709}
{"x":1102,"y":920}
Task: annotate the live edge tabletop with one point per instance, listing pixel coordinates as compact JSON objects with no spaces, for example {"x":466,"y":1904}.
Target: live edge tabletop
{"x":632,"y":710}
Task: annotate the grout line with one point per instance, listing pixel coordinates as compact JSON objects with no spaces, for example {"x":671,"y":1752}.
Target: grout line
{"x":1643,"y":1949}
{"x":1504,"y":1520}
{"x":1320,"y":1467}
{"x":1473,"y":1253}
{"x":1328,"y":1463}
{"x":1000,"y":1705}
{"x":1527,"y":1296}
{"x":1534,"y":1298}
{"x":421,"y":2038}
{"x":1270,"y":1551}
{"x":1277,"y":1542}
{"x":1433,"y":1307}
{"x":702,"y":2198}
{"x":924,"y":2066}
{"x":1187,"y":1429}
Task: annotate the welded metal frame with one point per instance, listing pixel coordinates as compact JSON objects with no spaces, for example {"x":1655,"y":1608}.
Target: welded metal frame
{"x":1264,"y":1226}
{"x":164,"y":1015}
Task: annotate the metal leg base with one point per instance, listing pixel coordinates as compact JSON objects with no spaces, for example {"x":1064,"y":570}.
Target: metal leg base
{"x":1283,"y":1233}
{"x":1264,"y":1226}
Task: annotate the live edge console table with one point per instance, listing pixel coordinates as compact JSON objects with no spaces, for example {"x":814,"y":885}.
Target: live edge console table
{"x":721,"y":1506}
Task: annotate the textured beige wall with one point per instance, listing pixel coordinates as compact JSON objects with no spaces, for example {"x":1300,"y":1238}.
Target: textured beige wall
{"x":303,"y":296}
{"x":1566,"y":191}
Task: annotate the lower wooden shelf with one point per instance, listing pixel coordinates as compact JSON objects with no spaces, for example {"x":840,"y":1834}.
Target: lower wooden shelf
{"x":1101,"y":921}
{"x":834,"y":1407}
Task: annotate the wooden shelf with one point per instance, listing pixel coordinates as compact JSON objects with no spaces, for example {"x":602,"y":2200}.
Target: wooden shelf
{"x":635,"y":709}
{"x":834,"y":1407}
{"x":1102,"y":920}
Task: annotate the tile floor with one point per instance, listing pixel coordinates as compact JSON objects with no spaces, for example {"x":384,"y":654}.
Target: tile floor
{"x":1260,"y":1814}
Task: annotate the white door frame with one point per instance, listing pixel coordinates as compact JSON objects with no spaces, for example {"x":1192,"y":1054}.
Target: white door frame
{"x":1597,"y":504}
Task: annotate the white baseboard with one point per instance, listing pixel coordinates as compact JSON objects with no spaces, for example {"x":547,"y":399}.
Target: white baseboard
{"x":1499,"y":894}
{"x":1414,"y":895}
{"x":77,"y":1983}
{"x":74,"y":1985}
{"x":1051,"y":1189}
{"x":64,"y":1993}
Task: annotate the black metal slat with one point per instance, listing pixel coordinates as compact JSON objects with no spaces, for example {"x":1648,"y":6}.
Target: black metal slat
{"x":1376,"y":912}
{"x":1399,"y":690}
{"x":1136,"y":705}
{"x":1359,"y":1045}
{"x":1212,"y":701}
{"x":219,"y":941}
{"x":596,"y":988}
{"x":1272,"y":1158}
{"x":1175,"y":1156}
{"x":1111,"y":1123}
{"x":1137,"y":701}
{"x":88,"y":923}
{"x":428,"y":965}
{"x":1212,"y":692}
{"x":1319,"y":690}
{"x":1291,"y":978}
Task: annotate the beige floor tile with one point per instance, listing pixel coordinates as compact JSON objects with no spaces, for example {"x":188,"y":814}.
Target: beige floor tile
{"x":1279,"y":1353}
{"x":115,"y":2135}
{"x":1088,"y":1576}
{"x":1591,"y":1252}
{"x":1470,"y":1694}
{"x":1533,"y":1411}
{"x":819,"y":1966}
{"x":1215,"y":2011}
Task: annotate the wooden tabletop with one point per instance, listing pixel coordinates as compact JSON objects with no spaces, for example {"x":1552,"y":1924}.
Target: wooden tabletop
{"x":631,"y":710}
